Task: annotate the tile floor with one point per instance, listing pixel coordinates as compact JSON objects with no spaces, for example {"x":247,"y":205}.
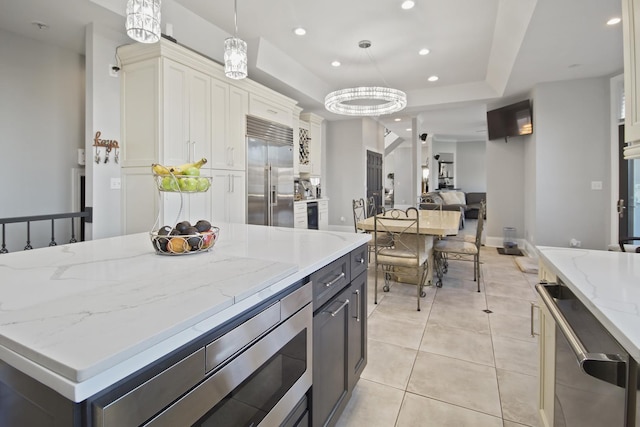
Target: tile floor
{"x":451,"y":364}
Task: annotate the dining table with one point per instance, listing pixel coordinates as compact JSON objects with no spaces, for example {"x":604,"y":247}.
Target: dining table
{"x":431,"y":224}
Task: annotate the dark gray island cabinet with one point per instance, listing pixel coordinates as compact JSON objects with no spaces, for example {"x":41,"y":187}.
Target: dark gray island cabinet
{"x":281,"y":340}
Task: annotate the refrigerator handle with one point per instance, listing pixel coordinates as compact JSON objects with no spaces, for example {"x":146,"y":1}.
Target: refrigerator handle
{"x":267,"y":171}
{"x":274,"y":187}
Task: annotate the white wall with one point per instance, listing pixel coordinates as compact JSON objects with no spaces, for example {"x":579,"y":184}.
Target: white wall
{"x":41,"y":128}
{"x":571,"y":124}
{"x":470,"y":166}
{"x":103,"y":115}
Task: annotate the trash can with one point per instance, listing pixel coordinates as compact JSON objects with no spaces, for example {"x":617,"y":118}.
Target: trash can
{"x":509,"y":241}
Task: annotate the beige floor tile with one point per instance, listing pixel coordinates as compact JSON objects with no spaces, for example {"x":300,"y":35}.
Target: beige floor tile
{"x":462,"y":299}
{"x":508,"y":305}
{"x":520,"y":289}
{"x":473,"y":319}
{"x":512,"y":424}
{"x":458,"y":343}
{"x":372,"y":405}
{"x":459,"y":382}
{"x":405,"y":308}
{"x":518,"y":397}
{"x":506,"y":325}
{"x":516,"y":355}
{"x":389,"y":364}
{"x":424,"y":412}
{"x":388,"y":328}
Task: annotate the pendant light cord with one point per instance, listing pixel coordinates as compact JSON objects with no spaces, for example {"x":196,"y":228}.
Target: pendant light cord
{"x":235,"y":15}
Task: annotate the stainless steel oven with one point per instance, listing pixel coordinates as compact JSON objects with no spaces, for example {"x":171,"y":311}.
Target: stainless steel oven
{"x":595,"y":378}
{"x":256,"y":374}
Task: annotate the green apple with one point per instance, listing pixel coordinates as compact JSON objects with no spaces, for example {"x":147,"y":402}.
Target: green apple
{"x":192,"y":171}
{"x":169,"y":183}
{"x":203,"y":184}
{"x":188,"y":184}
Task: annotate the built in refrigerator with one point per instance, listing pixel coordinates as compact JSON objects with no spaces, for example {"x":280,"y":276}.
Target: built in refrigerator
{"x":269,"y":173}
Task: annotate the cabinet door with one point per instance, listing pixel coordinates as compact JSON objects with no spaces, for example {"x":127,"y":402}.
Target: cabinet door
{"x":219,"y":120}
{"x":219,"y":188}
{"x":357,"y":351}
{"x":323,"y":215}
{"x":315,"y":148}
{"x":330,"y":371}
{"x":176,"y":145}
{"x":199,"y":116}
{"x":547,"y":354}
{"x":237,"y":199}
{"x":237,"y":143}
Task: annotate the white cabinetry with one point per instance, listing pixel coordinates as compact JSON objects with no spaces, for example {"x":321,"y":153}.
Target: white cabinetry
{"x":186,"y":113}
{"x":547,"y":355}
{"x":323,"y":214}
{"x":631,"y":38}
{"x":177,"y":106}
{"x":300,"y":215}
{"x":228,"y":199}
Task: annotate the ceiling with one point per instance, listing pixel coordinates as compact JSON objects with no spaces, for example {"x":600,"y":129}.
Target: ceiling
{"x":485,"y":53}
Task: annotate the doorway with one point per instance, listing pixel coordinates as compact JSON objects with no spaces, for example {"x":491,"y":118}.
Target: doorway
{"x":629,"y":192}
{"x":375,"y":186}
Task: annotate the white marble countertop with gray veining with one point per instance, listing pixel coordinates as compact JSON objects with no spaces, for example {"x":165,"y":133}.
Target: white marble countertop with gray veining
{"x":607,"y":283}
{"x":79,"y":317}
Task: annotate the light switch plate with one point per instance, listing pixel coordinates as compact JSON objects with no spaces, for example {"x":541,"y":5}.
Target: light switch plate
{"x":116,"y":184}
{"x":596,"y":185}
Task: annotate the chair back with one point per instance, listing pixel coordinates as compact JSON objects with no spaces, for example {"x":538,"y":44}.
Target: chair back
{"x":480,"y":225}
{"x":402,"y":226}
{"x":359,"y":213}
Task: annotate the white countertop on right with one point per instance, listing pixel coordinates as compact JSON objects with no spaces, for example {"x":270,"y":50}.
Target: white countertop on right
{"x":608,"y":283}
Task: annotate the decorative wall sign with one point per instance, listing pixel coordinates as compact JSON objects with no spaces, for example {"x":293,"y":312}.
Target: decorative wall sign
{"x":109,"y":145}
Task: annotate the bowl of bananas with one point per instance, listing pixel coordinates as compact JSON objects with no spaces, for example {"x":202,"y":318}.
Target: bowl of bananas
{"x":184,"y":178}
{"x":184,"y":238}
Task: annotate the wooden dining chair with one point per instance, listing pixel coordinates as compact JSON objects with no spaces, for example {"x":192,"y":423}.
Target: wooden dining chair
{"x":463,"y":250}
{"x":408,"y":252}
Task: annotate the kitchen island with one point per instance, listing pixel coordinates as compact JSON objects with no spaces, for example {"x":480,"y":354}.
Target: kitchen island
{"x":79,"y":318}
{"x":603,"y":301}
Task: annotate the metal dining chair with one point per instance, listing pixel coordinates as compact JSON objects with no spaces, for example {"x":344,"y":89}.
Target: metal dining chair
{"x":627,"y":240}
{"x":446,"y":249}
{"x":408,"y":252}
{"x":359,"y":214}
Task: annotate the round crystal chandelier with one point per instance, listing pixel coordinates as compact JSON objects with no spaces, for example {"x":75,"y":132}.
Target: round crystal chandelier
{"x":365,"y":100}
{"x":143,"y":20}
{"x":235,"y":52}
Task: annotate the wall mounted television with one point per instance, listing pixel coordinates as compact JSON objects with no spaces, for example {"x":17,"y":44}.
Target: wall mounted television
{"x":511,"y":120}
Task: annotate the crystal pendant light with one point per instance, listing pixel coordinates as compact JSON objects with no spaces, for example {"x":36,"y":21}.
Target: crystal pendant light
{"x":365,"y":100}
{"x":235,"y":52}
{"x":143,"y":20}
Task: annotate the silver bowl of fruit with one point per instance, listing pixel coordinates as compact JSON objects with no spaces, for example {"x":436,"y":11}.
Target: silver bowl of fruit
{"x":184,"y":238}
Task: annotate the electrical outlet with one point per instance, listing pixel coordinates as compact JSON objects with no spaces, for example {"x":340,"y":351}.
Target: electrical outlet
{"x":116,"y":184}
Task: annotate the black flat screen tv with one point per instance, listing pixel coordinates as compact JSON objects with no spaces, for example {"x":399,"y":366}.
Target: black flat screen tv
{"x":511,"y":120}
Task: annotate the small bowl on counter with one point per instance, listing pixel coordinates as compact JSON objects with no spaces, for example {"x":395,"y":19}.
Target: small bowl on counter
{"x":172,"y":243}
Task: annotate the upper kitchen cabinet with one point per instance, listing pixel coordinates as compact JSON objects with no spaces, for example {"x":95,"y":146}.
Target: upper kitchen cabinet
{"x":310,"y":144}
{"x":631,"y":38}
{"x":272,"y":108}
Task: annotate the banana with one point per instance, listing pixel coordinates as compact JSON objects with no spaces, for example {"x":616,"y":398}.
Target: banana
{"x":186,"y":166}
{"x":159,"y":169}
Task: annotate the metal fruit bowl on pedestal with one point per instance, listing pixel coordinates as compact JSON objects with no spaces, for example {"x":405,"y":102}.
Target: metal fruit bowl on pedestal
{"x":182,"y":183}
{"x":183,"y":244}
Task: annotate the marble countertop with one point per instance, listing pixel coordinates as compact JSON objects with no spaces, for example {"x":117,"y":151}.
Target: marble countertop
{"x":608,"y":283}
{"x":79,"y":317}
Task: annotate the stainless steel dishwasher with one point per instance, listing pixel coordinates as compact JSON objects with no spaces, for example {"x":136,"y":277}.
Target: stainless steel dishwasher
{"x":595,"y":378}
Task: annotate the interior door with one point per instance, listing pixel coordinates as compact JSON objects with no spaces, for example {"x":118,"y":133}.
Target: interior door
{"x":629,"y":182}
{"x":375,"y":186}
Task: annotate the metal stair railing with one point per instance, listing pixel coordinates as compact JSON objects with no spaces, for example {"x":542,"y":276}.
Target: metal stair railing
{"x":85,"y":216}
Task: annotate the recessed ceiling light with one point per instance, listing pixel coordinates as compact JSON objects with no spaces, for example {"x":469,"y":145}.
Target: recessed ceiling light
{"x":397,"y":119}
{"x":424,"y":51}
{"x":408,"y":4}
{"x":614,"y":21}
{"x":433,"y":78}
{"x":299,"y":31}
{"x":336,"y":63}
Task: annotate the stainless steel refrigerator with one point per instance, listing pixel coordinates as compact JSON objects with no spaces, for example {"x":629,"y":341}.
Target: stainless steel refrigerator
{"x":269,"y":173}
